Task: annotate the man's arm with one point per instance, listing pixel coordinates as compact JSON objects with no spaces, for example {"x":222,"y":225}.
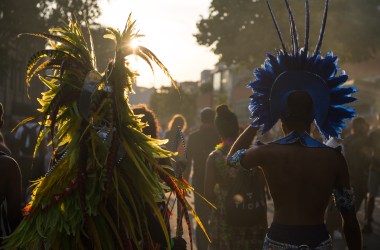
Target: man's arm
{"x":243,"y":141}
{"x":351,"y":230}
{"x":351,"y":226}
{"x":13,"y":191}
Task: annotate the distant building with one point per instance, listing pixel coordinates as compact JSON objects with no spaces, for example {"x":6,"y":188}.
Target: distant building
{"x":206,"y":76}
{"x":229,"y":87}
{"x":189,"y":87}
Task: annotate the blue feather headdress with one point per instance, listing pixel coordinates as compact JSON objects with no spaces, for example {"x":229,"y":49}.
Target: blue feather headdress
{"x":316,"y":75}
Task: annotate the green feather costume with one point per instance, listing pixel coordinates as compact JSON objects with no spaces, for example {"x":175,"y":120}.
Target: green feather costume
{"x":104,"y":173}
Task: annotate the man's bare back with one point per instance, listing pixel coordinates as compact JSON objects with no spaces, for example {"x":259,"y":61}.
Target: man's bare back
{"x":301,"y":179}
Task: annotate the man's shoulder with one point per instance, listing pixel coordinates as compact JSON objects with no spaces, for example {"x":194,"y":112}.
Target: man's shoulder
{"x":9,"y":168}
{"x":216,"y":153}
{"x":4,"y":150}
{"x":261,"y":149}
{"x":7,"y":161}
{"x":287,"y":148}
{"x":200,"y":133}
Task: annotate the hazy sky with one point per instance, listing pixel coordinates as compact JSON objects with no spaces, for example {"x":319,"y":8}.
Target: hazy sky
{"x":168,"y":26}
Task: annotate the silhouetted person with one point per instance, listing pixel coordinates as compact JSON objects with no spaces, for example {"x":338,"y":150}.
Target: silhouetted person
{"x":219,"y":179}
{"x":154,"y":225}
{"x":301,"y":174}
{"x":10,"y":190}
{"x":199,"y":146}
{"x":176,"y":124}
{"x":176,"y":142}
{"x":31,"y":167}
{"x":373,"y":179}
{"x":358,"y":155}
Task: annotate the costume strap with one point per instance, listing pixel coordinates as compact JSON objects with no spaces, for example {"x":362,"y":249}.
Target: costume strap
{"x":303,"y":138}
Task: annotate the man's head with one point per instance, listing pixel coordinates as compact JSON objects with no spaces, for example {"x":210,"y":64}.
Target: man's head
{"x":360,"y":126}
{"x":207,"y":115}
{"x":1,"y":115}
{"x":299,"y":112}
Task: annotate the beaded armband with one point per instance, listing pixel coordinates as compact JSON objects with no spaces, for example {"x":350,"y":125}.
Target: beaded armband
{"x":234,"y":160}
{"x":344,"y":199}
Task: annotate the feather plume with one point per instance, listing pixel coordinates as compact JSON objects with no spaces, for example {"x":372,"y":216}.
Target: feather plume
{"x":94,"y":194}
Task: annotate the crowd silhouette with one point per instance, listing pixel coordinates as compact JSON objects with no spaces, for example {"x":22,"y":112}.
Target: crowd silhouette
{"x":204,"y":166}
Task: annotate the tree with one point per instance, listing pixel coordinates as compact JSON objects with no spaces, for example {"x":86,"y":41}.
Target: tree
{"x":53,"y":11}
{"x":18,"y":16}
{"x":241,"y":31}
{"x":32,"y":16}
{"x":167,"y":102}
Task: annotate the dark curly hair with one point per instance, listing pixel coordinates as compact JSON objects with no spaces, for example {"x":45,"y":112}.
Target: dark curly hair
{"x":149,"y":117}
{"x":226,"y":122}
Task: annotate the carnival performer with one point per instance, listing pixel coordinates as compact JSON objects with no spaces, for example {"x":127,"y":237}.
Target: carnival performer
{"x":218,"y":180}
{"x":302,"y":173}
{"x":104,"y":169}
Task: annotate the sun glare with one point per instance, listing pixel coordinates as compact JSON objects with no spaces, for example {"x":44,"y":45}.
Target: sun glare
{"x":134,"y":43}
{"x":168,"y":33}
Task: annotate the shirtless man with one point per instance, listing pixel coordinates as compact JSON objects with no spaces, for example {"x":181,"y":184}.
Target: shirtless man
{"x":300,"y":87}
{"x":301,"y":174}
{"x":10,"y":188}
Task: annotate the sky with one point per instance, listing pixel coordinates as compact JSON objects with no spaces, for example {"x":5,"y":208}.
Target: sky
{"x":168,"y":26}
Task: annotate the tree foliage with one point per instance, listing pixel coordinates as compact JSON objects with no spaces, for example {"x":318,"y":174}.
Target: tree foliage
{"x":167,"y":101}
{"x":241,"y":31}
{"x":33,"y":16}
{"x":19,"y":16}
{"x":54,"y":11}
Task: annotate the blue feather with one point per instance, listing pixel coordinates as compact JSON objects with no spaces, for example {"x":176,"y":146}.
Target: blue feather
{"x":334,"y":122}
{"x":263,"y":75}
{"x":341,"y":96}
{"x":337,"y":81}
{"x":339,"y":100}
{"x":325,"y":67}
{"x":277,"y":69}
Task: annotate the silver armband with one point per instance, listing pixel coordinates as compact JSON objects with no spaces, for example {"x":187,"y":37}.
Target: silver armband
{"x":234,"y":160}
{"x":344,"y":198}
